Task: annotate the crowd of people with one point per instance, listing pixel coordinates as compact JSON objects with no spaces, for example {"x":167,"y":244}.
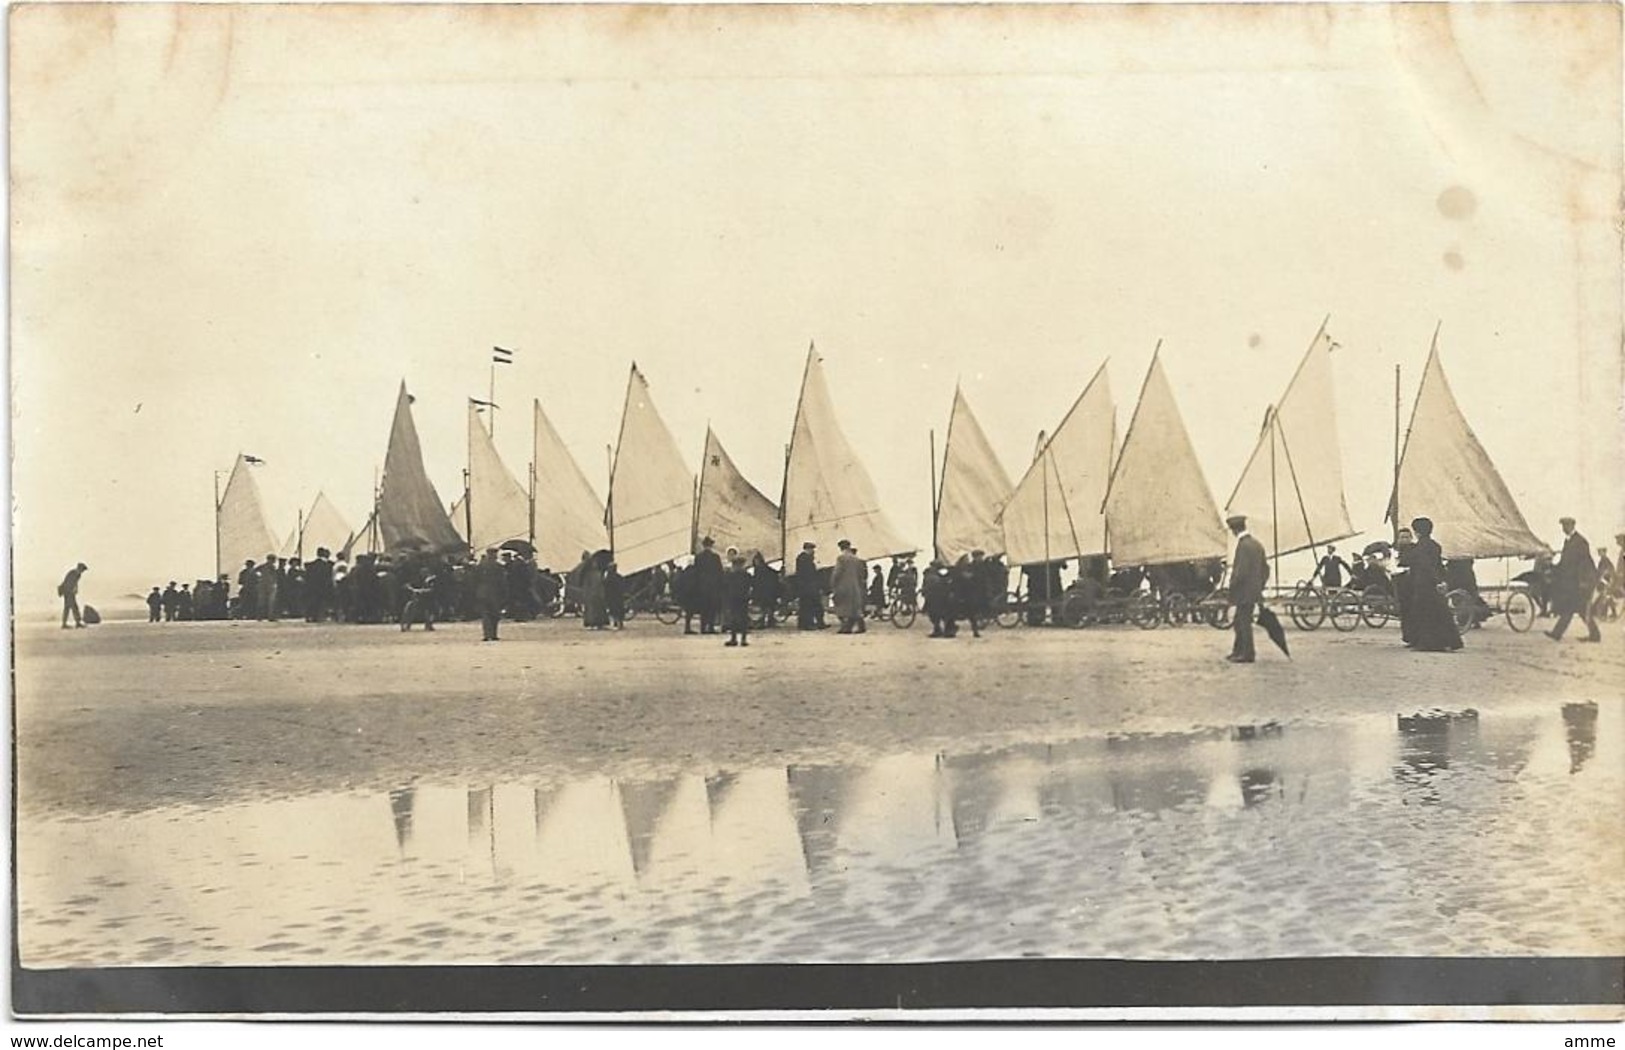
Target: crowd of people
{"x":735,"y":595}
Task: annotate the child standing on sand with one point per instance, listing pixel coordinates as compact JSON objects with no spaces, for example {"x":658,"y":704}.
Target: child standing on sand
{"x":736,"y":599}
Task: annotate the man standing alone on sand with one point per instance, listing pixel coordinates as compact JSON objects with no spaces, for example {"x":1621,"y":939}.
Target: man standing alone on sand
{"x":1573,"y":580}
{"x":1249,"y":571}
{"x":809,"y":592}
{"x":69,"y":590}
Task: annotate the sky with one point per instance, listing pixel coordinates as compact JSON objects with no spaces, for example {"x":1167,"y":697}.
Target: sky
{"x":239,"y":229}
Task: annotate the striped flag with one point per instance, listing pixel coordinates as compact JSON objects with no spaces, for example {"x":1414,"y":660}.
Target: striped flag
{"x":501,"y":356}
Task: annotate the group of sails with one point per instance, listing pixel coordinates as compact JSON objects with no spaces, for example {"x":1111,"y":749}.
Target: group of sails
{"x":1145,"y":501}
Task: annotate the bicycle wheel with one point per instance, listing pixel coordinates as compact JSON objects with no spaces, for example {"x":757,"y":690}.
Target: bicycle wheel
{"x":630,"y":613}
{"x":1520,"y":611}
{"x":1461,"y":608}
{"x":1009,"y":613}
{"x":668,"y":613}
{"x":1220,"y":613}
{"x":1146,"y":612}
{"x":1178,"y":612}
{"x":902,"y":613}
{"x":1376,"y":607}
{"x":1346,"y":608}
{"x":1078,"y":611}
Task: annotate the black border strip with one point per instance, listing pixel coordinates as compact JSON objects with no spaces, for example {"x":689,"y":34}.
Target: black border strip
{"x":1018,"y":984}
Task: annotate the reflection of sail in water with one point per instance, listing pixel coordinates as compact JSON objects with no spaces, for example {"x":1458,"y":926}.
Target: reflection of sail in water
{"x":541,"y":803}
{"x":894,"y":810}
{"x":400,"y":808}
{"x":1580,"y":730}
{"x":817,"y":794}
{"x":754,"y":837}
{"x":581,"y":837}
{"x":1428,"y":744}
{"x":678,"y":844}
{"x":973,"y":788}
{"x":642,"y":806}
{"x":1152,"y":774}
{"x":1075,"y":779}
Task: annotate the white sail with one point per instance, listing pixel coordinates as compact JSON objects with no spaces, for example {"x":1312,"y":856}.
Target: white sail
{"x":410,"y":514}
{"x":651,"y":490}
{"x":974,"y":488}
{"x":1292,"y":487}
{"x":731,"y":510}
{"x":1445,"y":475}
{"x":569,"y":514}
{"x":240,"y":526}
{"x":323,"y":526}
{"x":828,"y":495}
{"x":500,"y":505}
{"x":459,"y":516}
{"x":1159,"y":507}
{"x":1055,"y":512}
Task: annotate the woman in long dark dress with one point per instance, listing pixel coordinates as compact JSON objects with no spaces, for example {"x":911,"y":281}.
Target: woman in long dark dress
{"x":1432,"y":624}
{"x":595,"y":604}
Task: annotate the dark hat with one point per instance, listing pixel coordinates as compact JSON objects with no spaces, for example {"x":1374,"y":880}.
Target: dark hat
{"x":1565,"y":521}
{"x":978,"y":553}
{"x":844,"y":544}
{"x":1236,"y":519}
{"x":707,"y":542}
{"x":323,"y":552}
{"x":809,"y":545}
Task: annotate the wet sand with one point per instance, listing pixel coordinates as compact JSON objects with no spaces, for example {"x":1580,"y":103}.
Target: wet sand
{"x":252,"y":793}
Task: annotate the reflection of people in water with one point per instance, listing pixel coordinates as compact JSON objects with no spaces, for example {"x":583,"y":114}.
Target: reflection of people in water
{"x":1580,"y":729}
{"x":1258,"y":786}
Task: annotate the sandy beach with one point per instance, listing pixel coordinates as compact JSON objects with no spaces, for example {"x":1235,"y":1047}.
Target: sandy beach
{"x":259,"y":793}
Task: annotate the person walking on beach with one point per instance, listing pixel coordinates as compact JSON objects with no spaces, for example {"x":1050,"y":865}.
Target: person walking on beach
{"x":1249,"y":571}
{"x":847,"y":585}
{"x":490,"y":582}
{"x":1433,"y":624}
{"x":1573,"y":579}
{"x":155,"y":605}
{"x":69,"y":591}
{"x":736,"y":585}
{"x":809,"y":592}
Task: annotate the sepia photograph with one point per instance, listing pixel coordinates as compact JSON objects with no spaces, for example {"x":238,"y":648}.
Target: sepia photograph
{"x":1006,"y":511}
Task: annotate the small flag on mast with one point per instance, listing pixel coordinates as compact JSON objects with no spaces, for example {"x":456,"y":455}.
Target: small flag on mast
{"x":483,"y":404}
{"x":257,"y":461}
{"x":501,"y":356}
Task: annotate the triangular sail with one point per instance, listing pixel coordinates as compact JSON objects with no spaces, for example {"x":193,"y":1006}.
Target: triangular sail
{"x":651,"y":490}
{"x":500,"y":506}
{"x":1445,"y":475}
{"x":731,"y":510}
{"x":459,"y":516}
{"x":975,"y":487}
{"x":1291,"y":490}
{"x":240,"y":524}
{"x":569,"y":514}
{"x":410,"y":513}
{"x":324,"y":527}
{"x":828,"y":495}
{"x":1159,"y":507}
{"x":1055,"y":512}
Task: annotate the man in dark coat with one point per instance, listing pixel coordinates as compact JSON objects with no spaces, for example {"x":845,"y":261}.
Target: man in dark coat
{"x":764,"y":589}
{"x":172,"y":602}
{"x":736,"y":587}
{"x":155,"y":605}
{"x":809,"y":590}
{"x":708,"y":585}
{"x":1331,"y":570}
{"x":248,"y":591}
{"x":69,"y":591}
{"x":319,"y":586}
{"x":1574,"y":578}
{"x":490,"y":587}
{"x":1249,"y":571}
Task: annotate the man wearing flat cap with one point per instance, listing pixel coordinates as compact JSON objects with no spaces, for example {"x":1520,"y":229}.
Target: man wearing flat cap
{"x":809,"y":591}
{"x":1573,"y":580}
{"x":1249,"y":571}
{"x":708,"y":585}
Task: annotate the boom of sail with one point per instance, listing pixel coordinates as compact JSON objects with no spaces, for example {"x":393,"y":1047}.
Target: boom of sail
{"x":410,"y":513}
{"x":1159,"y":507}
{"x":1446,"y":476}
{"x":1291,"y":490}
{"x":651,"y":490}
{"x":973,"y":490}
{"x":239,"y":521}
{"x":569,"y":514}
{"x":731,"y":510}
{"x":497,"y":506}
{"x":1055,"y":512}
{"x":828,"y":495}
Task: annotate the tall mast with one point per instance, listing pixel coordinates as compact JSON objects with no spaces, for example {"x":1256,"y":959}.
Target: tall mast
{"x":1393,"y":506}
{"x":936,"y":497}
{"x":218,"y":568}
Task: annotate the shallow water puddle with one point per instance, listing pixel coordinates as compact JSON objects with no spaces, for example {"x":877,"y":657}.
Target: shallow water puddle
{"x":1480,"y":835}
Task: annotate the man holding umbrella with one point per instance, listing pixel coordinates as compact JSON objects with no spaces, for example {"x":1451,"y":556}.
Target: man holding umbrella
{"x":1249,"y":571}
